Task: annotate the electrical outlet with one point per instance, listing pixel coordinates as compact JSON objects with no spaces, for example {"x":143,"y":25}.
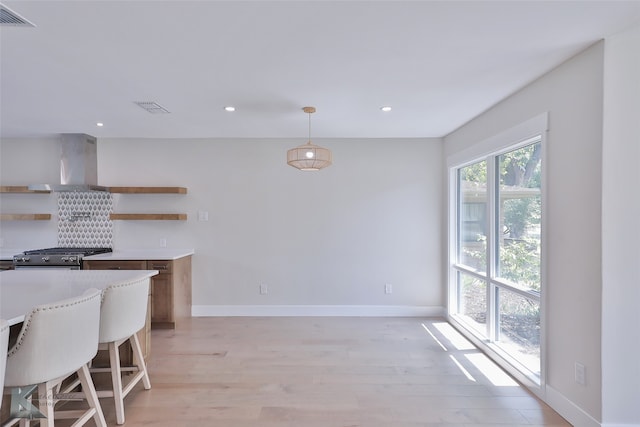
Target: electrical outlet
{"x":163,"y":243}
{"x":388,"y":288}
{"x":264,"y":289}
{"x":580,"y":374}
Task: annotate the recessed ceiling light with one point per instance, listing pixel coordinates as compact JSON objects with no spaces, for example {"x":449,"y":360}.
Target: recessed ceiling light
{"x":99,"y":124}
{"x":386,"y":108}
{"x":229,"y":108}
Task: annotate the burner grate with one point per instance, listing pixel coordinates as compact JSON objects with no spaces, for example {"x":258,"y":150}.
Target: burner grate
{"x":68,"y":251}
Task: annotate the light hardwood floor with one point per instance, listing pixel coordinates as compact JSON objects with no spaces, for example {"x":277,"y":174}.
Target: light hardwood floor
{"x":325,"y":372}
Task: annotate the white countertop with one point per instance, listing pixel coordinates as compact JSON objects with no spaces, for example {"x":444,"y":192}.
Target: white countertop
{"x":21,"y":290}
{"x":142,"y":254}
{"x":119,"y":254}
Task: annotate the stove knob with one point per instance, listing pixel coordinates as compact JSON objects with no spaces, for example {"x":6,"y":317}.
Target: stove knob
{"x":25,"y":259}
{"x":45,"y":259}
{"x":64,"y":259}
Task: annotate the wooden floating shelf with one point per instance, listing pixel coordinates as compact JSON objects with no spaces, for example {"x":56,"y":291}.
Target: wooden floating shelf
{"x":21,"y":189}
{"x":152,"y":217}
{"x":25,"y":217}
{"x":148,"y":190}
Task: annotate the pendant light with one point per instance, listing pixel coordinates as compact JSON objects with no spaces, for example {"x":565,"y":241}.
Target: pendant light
{"x":309,"y":157}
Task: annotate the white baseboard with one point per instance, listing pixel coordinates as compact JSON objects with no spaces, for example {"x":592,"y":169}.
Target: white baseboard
{"x":569,"y":410}
{"x":317,"y":310}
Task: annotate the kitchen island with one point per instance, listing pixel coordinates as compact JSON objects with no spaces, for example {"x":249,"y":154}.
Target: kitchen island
{"x":21,"y":290}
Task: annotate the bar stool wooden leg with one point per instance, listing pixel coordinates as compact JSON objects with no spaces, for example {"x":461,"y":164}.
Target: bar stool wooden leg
{"x":139,"y":361}
{"x":45,"y":404}
{"x":91,"y":396}
{"x":116,"y":379}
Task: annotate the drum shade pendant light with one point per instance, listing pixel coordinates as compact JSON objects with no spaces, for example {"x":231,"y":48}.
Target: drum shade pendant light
{"x":309,"y":157}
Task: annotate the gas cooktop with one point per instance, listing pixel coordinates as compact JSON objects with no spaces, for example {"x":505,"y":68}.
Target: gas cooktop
{"x":55,"y":257}
{"x":68,"y":251}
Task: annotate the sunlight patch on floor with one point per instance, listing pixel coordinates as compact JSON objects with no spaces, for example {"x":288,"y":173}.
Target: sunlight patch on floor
{"x":454,"y":337}
{"x":462,"y":369}
{"x":434,"y":337}
{"x":491,"y":371}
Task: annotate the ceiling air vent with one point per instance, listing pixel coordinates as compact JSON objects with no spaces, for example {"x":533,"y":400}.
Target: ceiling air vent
{"x":11,"y":19}
{"x":152,"y":107}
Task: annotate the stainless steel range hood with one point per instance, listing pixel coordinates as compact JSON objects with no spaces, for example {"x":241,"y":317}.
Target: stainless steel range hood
{"x":78,"y":165}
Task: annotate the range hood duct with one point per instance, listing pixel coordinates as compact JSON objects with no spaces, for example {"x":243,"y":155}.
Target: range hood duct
{"x":78,"y":165}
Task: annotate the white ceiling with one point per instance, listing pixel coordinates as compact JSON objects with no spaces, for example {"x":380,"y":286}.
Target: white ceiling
{"x":437,"y":63}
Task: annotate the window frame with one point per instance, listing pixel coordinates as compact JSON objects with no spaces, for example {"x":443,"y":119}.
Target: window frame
{"x":489,"y":150}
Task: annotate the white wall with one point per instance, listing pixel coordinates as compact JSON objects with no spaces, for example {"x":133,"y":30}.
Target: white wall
{"x":330,"y":238}
{"x":620,"y":231}
{"x":23,"y":163}
{"x":572,"y":94}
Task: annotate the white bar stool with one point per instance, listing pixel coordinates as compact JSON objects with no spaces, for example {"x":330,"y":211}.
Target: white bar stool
{"x":56,"y":341}
{"x":122,"y":314}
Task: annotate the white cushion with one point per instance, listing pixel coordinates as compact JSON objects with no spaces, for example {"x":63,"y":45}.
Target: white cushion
{"x":124,"y":310}
{"x":56,"y":340}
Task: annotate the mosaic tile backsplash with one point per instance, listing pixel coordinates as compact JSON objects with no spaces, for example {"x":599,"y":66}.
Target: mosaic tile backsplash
{"x":83,"y":219}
